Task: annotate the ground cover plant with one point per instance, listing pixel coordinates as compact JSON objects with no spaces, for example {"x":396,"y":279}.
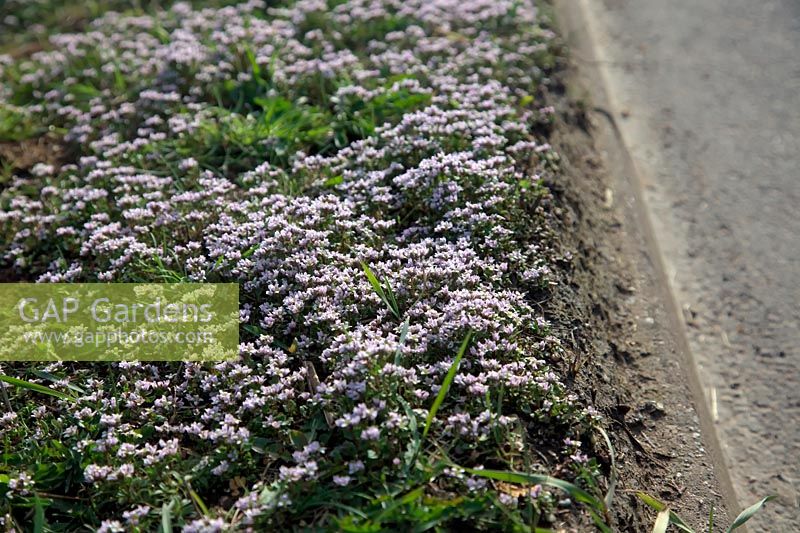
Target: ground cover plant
{"x":25,"y":25}
{"x":372,"y":172}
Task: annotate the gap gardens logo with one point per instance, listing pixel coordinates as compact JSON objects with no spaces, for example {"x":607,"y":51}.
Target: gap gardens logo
{"x":118,"y":322}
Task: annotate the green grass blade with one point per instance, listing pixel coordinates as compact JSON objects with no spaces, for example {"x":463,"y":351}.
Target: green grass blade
{"x":575,"y":492}
{"x":659,"y":506}
{"x":35,"y":387}
{"x":55,"y":379}
{"x":38,"y":515}
{"x":407,"y":498}
{"x":748,"y":513}
{"x":199,"y":502}
{"x":387,"y":295}
{"x":348,"y":508}
{"x":448,"y":379}
{"x":599,"y":523}
{"x":402,"y":342}
{"x":651,"y":502}
{"x":166,"y":518}
{"x":662,"y":522}
{"x":376,"y":285}
{"x":391,"y":300}
{"x":413,"y":447}
{"x":711,"y":520}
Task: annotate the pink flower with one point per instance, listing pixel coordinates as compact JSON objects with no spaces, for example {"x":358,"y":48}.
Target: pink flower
{"x":371,"y":433}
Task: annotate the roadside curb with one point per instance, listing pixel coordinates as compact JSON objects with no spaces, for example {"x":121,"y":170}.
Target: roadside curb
{"x":579,"y":32}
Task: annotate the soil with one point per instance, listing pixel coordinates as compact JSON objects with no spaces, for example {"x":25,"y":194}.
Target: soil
{"x":627,"y":342}
{"x":705,"y":96}
{"x":22,"y":155}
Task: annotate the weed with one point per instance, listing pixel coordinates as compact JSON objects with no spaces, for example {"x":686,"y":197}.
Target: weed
{"x":667,"y":517}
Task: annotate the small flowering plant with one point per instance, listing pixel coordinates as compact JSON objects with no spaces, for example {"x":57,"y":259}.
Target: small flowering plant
{"x":285,"y":147}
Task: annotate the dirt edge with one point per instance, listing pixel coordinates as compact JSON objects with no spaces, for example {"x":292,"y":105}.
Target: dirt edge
{"x":648,"y":353}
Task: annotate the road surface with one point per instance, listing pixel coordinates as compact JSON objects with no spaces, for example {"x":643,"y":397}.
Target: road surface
{"x":707,"y":97}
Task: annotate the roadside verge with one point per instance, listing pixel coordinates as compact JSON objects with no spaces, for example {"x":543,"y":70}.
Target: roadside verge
{"x":652,"y":353}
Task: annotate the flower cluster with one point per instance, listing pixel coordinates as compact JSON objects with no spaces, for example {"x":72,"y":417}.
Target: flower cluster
{"x":284,"y":148}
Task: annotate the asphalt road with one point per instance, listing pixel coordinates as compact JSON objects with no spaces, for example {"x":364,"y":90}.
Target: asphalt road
{"x":708,"y":100}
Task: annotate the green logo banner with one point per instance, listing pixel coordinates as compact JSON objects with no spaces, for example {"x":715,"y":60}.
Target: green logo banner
{"x":119,"y":321}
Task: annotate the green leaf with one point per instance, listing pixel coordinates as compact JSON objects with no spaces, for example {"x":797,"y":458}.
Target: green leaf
{"x":403,"y":500}
{"x":347,"y":508}
{"x":387,"y":296}
{"x":598,"y":521}
{"x":574,"y":492}
{"x":298,"y":438}
{"x":391,"y":300}
{"x":35,"y":387}
{"x":448,"y":379}
{"x":415,"y":443}
{"x":38,"y":515}
{"x":83,"y":89}
{"x":334,"y":181}
{"x":711,"y":520}
{"x":55,"y":379}
{"x":250,"y":251}
{"x":119,"y":80}
{"x":199,"y":502}
{"x":659,"y":506}
{"x":403,"y":334}
{"x":253,"y":330}
{"x":251,"y":58}
{"x":748,"y":513}
{"x":259,"y":445}
{"x":651,"y":502}
{"x":376,"y":285}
